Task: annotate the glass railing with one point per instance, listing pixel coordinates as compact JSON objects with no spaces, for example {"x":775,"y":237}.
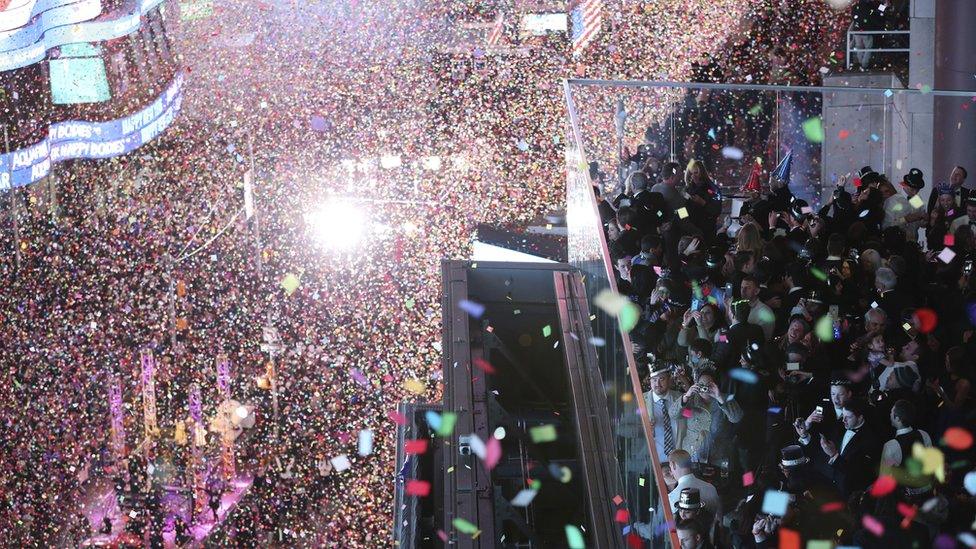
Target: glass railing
{"x":815,"y":138}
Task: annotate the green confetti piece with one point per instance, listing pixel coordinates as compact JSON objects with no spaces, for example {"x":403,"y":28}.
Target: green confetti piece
{"x":813,"y":130}
{"x":926,"y":89}
{"x":448,"y":419}
{"x":465,"y":527}
{"x":818,"y":274}
{"x":574,"y":537}
{"x":766,"y":315}
{"x":628,"y":317}
{"x":290,"y":283}
{"x":410,"y":303}
{"x":825,"y":328}
{"x":543,"y":433}
{"x":756,"y":109}
{"x":536,"y":485}
{"x":640,"y":481}
{"x":546,"y":330}
{"x":696,"y":289}
{"x":819,"y":544}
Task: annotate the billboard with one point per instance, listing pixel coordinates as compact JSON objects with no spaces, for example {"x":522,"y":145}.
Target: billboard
{"x":78,"y":76}
{"x":90,"y":140}
{"x":63,"y":24}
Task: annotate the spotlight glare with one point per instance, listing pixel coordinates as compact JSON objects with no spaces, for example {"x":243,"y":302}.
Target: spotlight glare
{"x":390,"y":161}
{"x":432,"y":163}
{"x":337,"y":225}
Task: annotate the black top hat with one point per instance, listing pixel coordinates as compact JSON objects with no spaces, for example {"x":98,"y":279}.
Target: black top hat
{"x":689,"y":499}
{"x":868,"y":176}
{"x":914,"y":179}
{"x":793,"y":456}
{"x":971,"y":200}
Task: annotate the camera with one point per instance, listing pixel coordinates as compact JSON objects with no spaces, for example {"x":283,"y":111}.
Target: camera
{"x":464,"y":445}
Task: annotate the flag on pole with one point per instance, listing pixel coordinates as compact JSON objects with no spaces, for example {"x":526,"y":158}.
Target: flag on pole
{"x":495,"y":36}
{"x":587,"y":17}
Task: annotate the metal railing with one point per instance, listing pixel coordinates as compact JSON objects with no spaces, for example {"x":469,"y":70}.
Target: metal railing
{"x":852,"y":50}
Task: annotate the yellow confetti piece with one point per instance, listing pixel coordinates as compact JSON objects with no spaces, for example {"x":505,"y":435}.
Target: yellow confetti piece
{"x":933,"y":460}
{"x":682,"y":212}
{"x":916,"y":202}
{"x":415,"y":386}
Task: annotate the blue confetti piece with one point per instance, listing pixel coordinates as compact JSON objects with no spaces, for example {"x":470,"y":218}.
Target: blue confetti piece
{"x":775,"y":410}
{"x":472,"y":308}
{"x":775,"y":502}
{"x":874,"y":137}
{"x":661,"y":528}
{"x":743,"y":375}
{"x":711,"y":133}
{"x":626,"y":530}
{"x":434,"y":420}
{"x":889,"y":93}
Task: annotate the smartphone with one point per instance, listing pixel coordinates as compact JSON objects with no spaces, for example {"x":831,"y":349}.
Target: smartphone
{"x":819,"y":409}
{"x":834,"y":312}
{"x":792,"y":366}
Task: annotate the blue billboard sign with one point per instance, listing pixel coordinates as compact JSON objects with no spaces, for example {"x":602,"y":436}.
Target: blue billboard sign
{"x":66,"y":24}
{"x":75,"y":139}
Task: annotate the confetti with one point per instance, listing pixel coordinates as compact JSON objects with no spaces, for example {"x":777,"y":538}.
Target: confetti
{"x":290,"y":283}
{"x":415,"y":447}
{"x":574,"y":537}
{"x":524,"y":498}
{"x":365,"y":442}
{"x":419,"y":488}
{"x":743,"y":375}
{"x":340,"y":463}
{"x":415,"y":386}
{"x":813,"y":130}
{"x":946,"y":255}
{"x":883,"y":486}
{"x":957,"y":438}
{"x":465,"y":527}
{"x":543,"y":433}
{"x":775,"y":502}
{"x":476,"y":310}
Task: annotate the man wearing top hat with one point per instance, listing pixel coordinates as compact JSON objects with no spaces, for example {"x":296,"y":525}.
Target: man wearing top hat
{"x":664,"y":409}
{"x":899,"y":210}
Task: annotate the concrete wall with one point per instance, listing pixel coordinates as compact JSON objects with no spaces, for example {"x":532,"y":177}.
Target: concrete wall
{"x":869,"y":118}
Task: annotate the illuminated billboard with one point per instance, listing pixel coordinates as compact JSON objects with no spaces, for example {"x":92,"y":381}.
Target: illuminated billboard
{"x":59,"y":22}
{"x":82,"y":139}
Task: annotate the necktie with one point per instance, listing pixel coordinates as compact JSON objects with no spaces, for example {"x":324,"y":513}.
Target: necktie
{"x":668,"y":436}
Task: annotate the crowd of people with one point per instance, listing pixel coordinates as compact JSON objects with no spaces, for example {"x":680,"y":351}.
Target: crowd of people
{"x":808,"y":370}
{"x":153,"y":251}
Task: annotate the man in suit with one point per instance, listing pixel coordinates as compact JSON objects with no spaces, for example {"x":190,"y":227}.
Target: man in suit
{"x":664,"y":409}
{"x":957,"y":180}
{"x":853,"y":459}
{"x":732,"y":342}
{"x":891,"y":299}
{"x":680,"y":463}
{"x":967,"y":220}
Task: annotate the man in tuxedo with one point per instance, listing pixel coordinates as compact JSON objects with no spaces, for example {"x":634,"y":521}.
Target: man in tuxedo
{"x":967,"y":220}
{"x":891,"y":299}
{"x":732,"y":342}
{"x":853,"y":459}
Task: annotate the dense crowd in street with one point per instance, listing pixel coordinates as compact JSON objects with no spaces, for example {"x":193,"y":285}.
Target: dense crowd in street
{"x":154,"y":251}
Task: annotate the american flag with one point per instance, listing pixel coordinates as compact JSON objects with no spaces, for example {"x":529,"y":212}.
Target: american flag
{"x":586,"y":17}
{"x":496,"y":31}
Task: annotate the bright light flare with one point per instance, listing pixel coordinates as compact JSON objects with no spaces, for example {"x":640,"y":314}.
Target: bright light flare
{"x":337,"y":225}
{"x":432,"y":163}
{"x":390,"y":161}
